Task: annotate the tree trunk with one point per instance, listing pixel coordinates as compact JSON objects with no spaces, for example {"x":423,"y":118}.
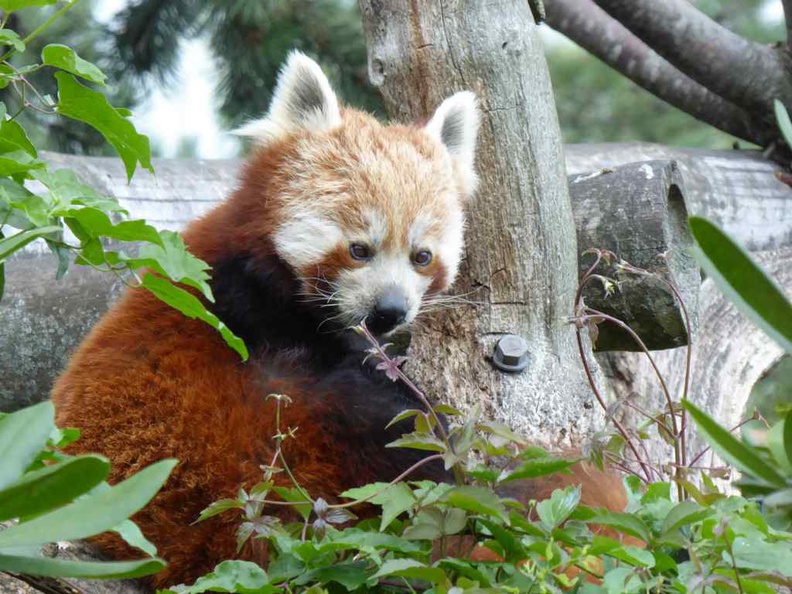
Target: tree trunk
{"x":521,"y":264}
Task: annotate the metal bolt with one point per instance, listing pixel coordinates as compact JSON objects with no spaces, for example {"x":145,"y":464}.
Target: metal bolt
{"x":511,"y":353}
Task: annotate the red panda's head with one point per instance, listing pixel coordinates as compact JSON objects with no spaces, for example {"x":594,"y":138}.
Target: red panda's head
{"x":369,"y":217}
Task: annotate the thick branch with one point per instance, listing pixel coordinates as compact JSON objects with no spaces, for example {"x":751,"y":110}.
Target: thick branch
{"x":589,"y":26}
{"x":748,"y":74}
{"x":788,"y":18}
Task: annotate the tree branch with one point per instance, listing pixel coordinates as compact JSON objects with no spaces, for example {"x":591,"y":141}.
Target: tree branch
{"x":590,"y":27}
{"x":747,"y":73}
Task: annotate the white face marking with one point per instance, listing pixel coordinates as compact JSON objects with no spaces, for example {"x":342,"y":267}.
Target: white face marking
{"x":358,"y":289}
{"x":306,"y":238}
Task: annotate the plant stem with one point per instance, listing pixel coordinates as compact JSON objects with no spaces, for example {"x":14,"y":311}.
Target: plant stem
{"x":42,"y":27}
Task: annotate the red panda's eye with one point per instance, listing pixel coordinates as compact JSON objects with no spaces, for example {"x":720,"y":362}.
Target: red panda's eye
{"x":422,"y":258}
{"x":360,"y":251}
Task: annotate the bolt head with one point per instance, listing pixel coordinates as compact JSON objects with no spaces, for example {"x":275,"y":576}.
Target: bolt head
{"x":511,"y":353}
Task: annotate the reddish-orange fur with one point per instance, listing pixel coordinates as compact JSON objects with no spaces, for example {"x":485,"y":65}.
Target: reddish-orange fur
{"x":149,"y":383}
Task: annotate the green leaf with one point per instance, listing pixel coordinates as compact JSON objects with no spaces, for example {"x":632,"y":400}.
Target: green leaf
{"x":16,"y":242}
{"x":394,"y":499}
{"x":67,"y":59}
{"x":513,"y":548}
{"x":552,"y":512}
{"x":133,"y":536}
{"x":96,"y":223}
{"x":243,"y":577}
{"x":761,"y":555}
{"x":12,"y":5}
{"x":477,"y":500}
{"x":52,"y":486}
{"x":17,"y":162}
{"x":192,"y":307}
{"x":403,"y":415}
{"x":85,"y":105}
{"x":93,"y":514}
{"x":13,"y":138}
{"x":683,"y":514}
{"x":67,"y":191}
{"x":419,"y":441}
{"x":743,"y":282}
{"x":22,"y":435}
{"x":350,"y":574}
{"x":299,"y":498}
{"x":779,"y":442}
{"x":624,"y":523}
{"x":732,"y":450}
{"x":80,"y":569}
{"x":784,"y":123}
{"x":536,"y":467}
{"x":172,"y":259}
{"x":412,"y":569}
{"x":9,"y":37}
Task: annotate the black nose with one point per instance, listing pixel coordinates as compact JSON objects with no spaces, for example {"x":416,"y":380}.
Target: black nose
{"x":390,"y":310}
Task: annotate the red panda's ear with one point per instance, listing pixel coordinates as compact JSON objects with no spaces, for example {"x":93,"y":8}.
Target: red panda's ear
{"x":303,"y":100}
{"x":455,"y":124}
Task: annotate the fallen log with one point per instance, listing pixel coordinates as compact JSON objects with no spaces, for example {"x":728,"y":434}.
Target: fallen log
{"x":638,"y":212}
{"x":42,"y":320}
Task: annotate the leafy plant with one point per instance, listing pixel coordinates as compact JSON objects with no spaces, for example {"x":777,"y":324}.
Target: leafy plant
{"x":482,"y":535}
{"x":76,"y":222}
{"x":53,"y":497}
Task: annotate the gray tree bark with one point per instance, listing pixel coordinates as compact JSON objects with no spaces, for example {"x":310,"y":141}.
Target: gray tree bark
{"x":594,"y":30}
{"x":730,"y":354}
{"x":521,"y":251}
{"x":637,"y":211}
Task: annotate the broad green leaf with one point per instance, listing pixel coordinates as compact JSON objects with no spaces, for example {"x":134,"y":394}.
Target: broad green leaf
{"x":633,"y":556}
{"x":552,"y":512}
{"x":412,"y":569}
{"x":507,"y":539}
{"x":743,"y":282}
{"x":731,"y":449}
{"x":624,"y":523}
{"x":9,"y":37}
{"x":242,"y":577}
{"x":394,"y":499}
{"x":96,"y":223}
{"x":292,"y":494}
{"x":16,"y":242}
{"x":52,"y":486}
{"x":779,"y":442}
{"x":403,"y":415}
{"x":13,"y":138}
{"x":684,"y":514}
{"x":419,"y":441}
{"x":67,"y":191}
{"x":752,"y":553}
{"x":22,"y":435}
{"x":48,"y":567}
{"x":18,"y":162}
{"x":172,"y":259}
{"x":350,"y":574}
{"x":218,"y":507}
{"x":536,"y":467}
{"x":784,"y":123}
{"x":477,"y":500}
{"x":85,"y":105}
{"x":93,"y":514}
{"x":67,"y":59}
{"x":133,"y":536}
{"x":192,"y":307}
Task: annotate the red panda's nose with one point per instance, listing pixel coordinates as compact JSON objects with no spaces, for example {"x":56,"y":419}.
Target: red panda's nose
{"x":390,"y":310}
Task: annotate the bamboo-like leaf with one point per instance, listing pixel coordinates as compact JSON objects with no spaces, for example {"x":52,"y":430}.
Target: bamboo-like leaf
{"x":731,"y":449}
{"x":743,"y":282}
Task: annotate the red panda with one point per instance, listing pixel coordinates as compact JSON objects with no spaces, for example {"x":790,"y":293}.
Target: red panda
{"x":337,"y":218}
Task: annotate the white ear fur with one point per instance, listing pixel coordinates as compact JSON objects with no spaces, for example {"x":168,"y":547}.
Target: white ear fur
{"x":303,"y":100}
{"x":455,"y":124}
